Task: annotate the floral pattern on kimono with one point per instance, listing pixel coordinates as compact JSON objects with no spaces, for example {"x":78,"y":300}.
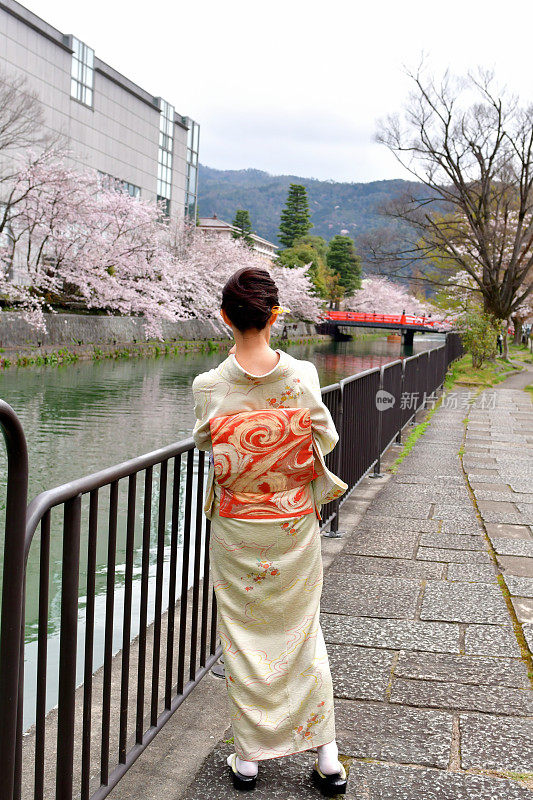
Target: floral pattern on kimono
{"x":269,"y":435}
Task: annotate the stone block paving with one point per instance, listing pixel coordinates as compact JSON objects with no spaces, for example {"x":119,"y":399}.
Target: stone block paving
{"x":426,"y":612}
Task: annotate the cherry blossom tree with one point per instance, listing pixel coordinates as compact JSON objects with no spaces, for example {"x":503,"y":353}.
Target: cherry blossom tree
{"x":461,"y":291}
{"x":206,"y":260}
{"x":81,"y":239}
{"x":23,"y":140}
{"x":84,"y":240}
{"x":77,"y":238}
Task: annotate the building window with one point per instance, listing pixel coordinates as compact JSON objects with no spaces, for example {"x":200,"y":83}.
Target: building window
{"x":119,"y":185}
{"x":131,"y":189}
{"x":193,"y":140}
{"x":82,"y":74}
{"x":164,"y":159}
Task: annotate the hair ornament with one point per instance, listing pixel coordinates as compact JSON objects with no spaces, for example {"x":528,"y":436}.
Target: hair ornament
{"x":280,"y":310}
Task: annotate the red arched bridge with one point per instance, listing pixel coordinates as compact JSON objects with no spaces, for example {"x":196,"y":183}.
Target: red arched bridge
{"x":408,"y":324}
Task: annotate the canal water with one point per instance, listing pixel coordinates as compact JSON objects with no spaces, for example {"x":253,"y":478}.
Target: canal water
{"x":82,"y":417}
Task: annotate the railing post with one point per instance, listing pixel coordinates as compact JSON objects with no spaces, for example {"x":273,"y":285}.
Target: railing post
{"x":377,"y":467}
{"x":68,"y":649}
{"x":334,"y":532}
{"x":398,"y":439}
{"x":12,"y":631}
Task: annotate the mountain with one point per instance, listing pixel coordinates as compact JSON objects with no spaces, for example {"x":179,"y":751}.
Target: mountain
{"x":334,"y":206}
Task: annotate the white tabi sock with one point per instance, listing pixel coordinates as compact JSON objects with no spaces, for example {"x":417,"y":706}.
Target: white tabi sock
{"x":248,"y":768}
{"x":328,"y":758}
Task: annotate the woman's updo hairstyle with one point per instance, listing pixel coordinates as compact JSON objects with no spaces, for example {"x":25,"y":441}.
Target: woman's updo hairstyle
{"x":248,"y":298}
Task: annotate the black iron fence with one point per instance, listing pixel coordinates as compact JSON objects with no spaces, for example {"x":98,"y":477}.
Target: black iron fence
{"x":150,"y":508}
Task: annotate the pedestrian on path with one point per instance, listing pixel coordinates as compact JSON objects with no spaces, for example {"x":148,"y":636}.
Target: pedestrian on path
{"x":499,"y":342}
{"x":261,"y":414}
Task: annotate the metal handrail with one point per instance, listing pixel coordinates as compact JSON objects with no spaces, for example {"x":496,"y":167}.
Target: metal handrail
{"x":50,"y":498}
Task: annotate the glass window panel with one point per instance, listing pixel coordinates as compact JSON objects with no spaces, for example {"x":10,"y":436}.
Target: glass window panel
{"x":164,"y":160}
{"x":192,"y":183}
{"x":82,"y":71}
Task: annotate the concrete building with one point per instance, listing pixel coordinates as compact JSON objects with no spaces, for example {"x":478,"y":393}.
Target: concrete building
{"x":220,"y":227}
{"x":112,"y":124}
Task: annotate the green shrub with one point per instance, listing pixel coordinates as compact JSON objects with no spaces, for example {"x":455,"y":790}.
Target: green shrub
{"x":479,"y":333}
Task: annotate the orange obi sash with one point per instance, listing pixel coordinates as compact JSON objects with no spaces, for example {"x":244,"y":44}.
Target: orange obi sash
{"x":264,"y":463}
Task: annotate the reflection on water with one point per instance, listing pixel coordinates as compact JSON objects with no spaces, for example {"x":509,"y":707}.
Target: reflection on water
{"x":83,"y":417}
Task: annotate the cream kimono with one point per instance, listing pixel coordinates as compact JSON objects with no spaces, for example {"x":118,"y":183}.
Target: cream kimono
{"x":266,"y":484}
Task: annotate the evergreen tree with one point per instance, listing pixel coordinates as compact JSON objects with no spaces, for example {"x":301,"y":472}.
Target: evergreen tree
{"x":312,"y":251}
{"x":343,"y":260}
{"x":243,"y":226}
{"x":295,"y":221}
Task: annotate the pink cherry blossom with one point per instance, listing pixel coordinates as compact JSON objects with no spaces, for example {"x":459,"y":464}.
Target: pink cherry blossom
{"x":76,"y":235}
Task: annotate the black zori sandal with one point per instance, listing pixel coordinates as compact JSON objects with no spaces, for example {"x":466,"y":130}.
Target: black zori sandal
{"x":330,"y":785}
{"x":242,"y":782}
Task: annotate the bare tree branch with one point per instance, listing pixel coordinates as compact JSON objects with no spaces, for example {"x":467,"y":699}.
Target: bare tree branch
{"x":469,"y":146}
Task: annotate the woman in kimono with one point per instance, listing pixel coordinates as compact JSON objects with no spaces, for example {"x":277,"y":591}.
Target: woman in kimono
{"x":261,"y":416}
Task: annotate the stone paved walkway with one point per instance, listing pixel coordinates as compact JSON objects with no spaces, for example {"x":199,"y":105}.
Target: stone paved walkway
{"x":426,"y":612}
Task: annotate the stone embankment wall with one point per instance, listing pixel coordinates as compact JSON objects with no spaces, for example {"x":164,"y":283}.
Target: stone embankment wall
{"x":70,"y":330}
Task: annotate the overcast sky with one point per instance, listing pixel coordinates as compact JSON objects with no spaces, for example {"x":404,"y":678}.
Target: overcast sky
{"x":296,"y":86}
